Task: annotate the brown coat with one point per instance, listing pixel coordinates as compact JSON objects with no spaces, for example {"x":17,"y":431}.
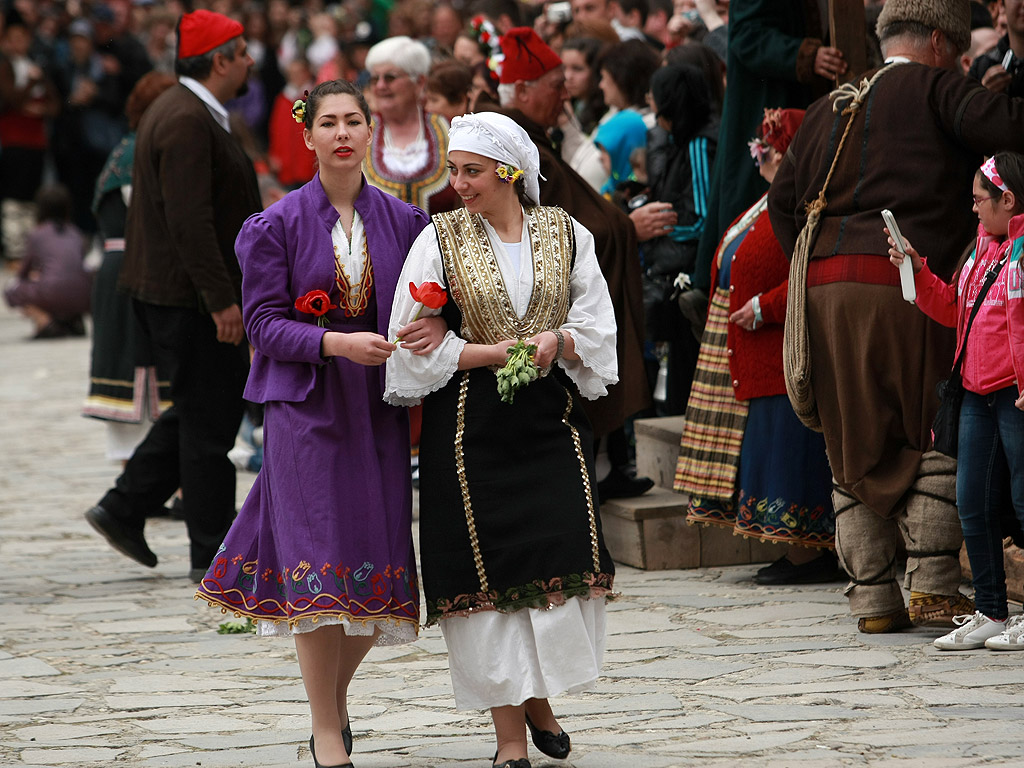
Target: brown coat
{"x":914,"y":149}
{"x":875,"y":360}
{"x":618,"y":255}
{"x":192,"y":187}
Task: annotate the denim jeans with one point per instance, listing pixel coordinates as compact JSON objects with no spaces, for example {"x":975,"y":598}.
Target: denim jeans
{"x":989,"y":476}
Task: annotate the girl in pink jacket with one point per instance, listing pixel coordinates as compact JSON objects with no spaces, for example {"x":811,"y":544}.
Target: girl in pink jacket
{"x":990,"y":468}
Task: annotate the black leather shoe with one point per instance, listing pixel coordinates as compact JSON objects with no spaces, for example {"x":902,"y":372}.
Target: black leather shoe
{"x":820,"y":570}
{"x":346,"y":737}
{"x":619,"y":485}
{"x":129,"y":542}
{"x":316,"y":763}
{"x":554,"y":745}
{"x":520,"y":763}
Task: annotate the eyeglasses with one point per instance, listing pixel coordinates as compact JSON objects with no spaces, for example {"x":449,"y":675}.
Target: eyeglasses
{"x":388,"y":78}
{"x":979,"y":200}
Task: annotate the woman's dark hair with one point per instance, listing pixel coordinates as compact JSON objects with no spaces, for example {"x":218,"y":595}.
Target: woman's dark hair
{"x":681,"y":96}
{"x":630,"y":65}
{"x":53,"y":203}
{"x":451,"y":79}
{"x":703,"y":58}
{"x":593,"y":108}
{"x":1011,"y":170}
{"x":334,"y":88}
{"x":150,"y":85}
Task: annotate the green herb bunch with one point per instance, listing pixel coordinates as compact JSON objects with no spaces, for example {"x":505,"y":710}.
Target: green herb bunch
{"x":518,"y":371}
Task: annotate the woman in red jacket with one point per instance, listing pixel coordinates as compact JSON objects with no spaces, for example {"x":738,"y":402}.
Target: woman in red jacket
{"x":746,"y":460}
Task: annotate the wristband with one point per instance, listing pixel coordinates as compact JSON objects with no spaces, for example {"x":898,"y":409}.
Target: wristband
{"x":755,"y":304}
{"x":561,"y":344}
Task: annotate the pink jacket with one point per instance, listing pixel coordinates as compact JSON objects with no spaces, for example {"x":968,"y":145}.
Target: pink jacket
{"x":943,"y":303}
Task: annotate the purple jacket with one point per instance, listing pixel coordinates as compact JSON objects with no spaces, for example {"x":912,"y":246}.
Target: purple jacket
{"x":285,"y":252}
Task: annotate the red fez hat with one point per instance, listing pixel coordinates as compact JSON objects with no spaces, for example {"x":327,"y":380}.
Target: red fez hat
{"x":527,"y":57}
{"x":201,"y":31}
{"x":779,"y":127}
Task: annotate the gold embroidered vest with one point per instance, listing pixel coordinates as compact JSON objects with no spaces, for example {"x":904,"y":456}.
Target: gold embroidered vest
{"x":476,"y":285}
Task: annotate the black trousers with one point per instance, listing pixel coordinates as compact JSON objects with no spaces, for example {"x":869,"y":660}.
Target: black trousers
{"x":187,"y":446}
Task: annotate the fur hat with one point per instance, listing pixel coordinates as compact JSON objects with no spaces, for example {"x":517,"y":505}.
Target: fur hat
{"x":951,"y":17}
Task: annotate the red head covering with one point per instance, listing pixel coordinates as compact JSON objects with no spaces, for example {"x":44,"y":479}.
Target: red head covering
{"x":201,"y":31}
{"x":527,"y":57}
{"x":779,"y":127}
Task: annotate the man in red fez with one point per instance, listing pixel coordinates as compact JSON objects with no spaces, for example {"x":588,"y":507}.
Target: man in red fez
{"x":532,"y":92}
{"x":192,"y":187}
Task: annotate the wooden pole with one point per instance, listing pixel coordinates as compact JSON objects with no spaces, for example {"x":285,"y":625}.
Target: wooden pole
{"x":848,"y":33}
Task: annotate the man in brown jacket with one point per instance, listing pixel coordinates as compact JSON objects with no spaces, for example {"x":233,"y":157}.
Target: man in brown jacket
{"x":192,"y":187}
{"x":533,"y":94}
{"x":914,"y":147}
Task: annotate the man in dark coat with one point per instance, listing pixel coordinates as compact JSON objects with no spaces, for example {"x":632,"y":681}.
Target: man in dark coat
{"x":913,"y":148}
{"x":776,"y":59}
{"x":533,"y":93}
{"x":192,"y":186}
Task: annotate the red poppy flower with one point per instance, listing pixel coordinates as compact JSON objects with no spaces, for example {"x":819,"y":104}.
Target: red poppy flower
{"x":315,"y":303}
{"x":429,"y":294}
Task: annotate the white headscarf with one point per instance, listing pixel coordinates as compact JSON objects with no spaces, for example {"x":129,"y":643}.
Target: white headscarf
{"x":499,"y":138}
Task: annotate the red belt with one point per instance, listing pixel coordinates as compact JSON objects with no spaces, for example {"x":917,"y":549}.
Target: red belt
{"x":852,"y":268}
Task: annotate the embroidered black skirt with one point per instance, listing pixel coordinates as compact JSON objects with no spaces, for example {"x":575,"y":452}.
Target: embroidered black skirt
{"x":508,"y":503}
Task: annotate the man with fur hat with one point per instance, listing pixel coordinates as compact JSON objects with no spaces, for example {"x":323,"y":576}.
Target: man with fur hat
{"x":192,"y":187}
{"x":916,"y":138}
{"x":532,"y":92}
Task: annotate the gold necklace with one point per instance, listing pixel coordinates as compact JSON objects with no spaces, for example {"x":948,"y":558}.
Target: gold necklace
{"x":353,"y":299}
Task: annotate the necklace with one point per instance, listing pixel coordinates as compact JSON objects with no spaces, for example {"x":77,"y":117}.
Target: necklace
{"x":353,"y":299}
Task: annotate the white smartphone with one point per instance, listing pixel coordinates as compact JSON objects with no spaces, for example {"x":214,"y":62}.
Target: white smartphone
{"x":906,"y":267}
{"x":1008,"y":59}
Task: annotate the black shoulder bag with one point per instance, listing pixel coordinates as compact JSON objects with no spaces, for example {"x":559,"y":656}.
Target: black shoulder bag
{"x":946,"y":427}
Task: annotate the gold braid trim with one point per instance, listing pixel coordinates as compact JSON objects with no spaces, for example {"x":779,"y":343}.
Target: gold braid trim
{"x":460,"y":466}
{"x":476,"y":284}
{"x":595,"y":549}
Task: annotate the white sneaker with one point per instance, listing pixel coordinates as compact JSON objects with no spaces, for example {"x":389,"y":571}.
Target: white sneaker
{"x":1011,"y":638}
{"x":971,"y":633}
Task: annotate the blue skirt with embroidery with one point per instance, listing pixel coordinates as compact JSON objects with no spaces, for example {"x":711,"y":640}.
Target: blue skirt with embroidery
{"x":784,"y":481}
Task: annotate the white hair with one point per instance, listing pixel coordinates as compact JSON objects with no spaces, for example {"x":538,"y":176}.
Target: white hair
{"x":407,"y":54}
{"x":506,"y":94}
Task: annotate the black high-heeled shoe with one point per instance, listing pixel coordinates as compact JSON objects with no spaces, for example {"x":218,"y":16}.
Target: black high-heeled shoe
{"x":346,"y":737}
{"x":554,"y":745}
{"x":317,"y":764}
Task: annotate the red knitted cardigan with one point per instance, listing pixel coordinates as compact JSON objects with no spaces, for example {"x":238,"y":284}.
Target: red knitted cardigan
{"x":759,"y":267}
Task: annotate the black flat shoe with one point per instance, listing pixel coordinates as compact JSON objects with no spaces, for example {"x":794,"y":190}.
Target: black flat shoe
{"x":820,"y":570}
{"x":619,"y":485}
{"x":520,"y":763}
{"x":316,"y":763}
{"x":554,"y":745}
{"x":346,"y":737}
{"x":126,"y":540}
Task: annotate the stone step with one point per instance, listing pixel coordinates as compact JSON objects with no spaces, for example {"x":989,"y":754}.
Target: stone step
{"x":650,"y":532}
{"x":657,"y":448}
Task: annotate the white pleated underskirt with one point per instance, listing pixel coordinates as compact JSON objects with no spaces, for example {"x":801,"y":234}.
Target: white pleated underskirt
{"x":391,"y":632}
{"x":500,"y":659}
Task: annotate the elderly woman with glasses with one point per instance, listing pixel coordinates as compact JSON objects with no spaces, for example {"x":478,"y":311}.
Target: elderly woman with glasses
{"x":406,"y":157}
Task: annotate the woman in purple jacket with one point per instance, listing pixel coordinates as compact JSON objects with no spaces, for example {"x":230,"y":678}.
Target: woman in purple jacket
{"x":322,"y":547}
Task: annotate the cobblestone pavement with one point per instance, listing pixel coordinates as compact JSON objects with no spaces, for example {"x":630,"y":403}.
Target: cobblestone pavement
{"x":106,"y":663}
